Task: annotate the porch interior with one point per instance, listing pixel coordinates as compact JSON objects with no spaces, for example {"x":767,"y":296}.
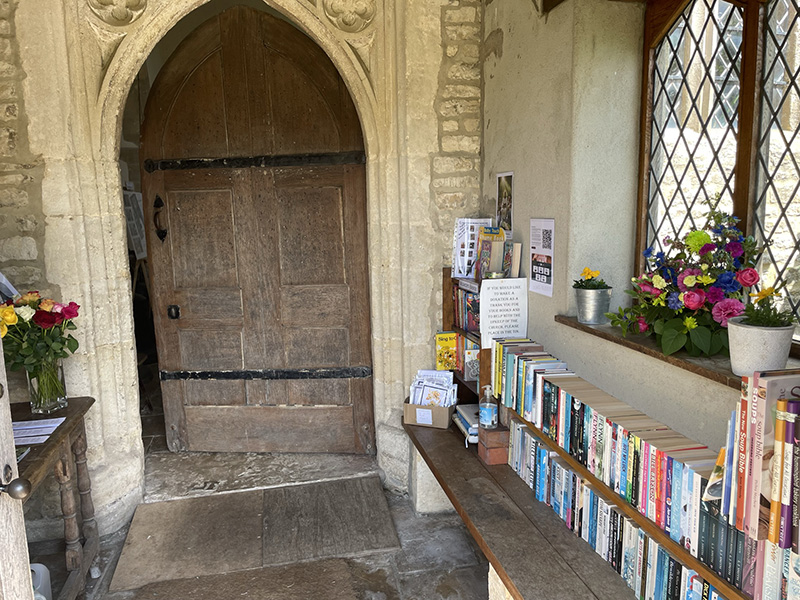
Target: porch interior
{"x":432,"y":556}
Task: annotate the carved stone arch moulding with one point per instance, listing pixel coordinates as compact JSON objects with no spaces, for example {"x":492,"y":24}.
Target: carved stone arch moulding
{"x":118,"y":12}
{"x":351,"y":16}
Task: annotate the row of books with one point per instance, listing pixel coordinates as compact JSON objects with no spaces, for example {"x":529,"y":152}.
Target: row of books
{"x":459,"y":352}
{"x":466,"y":304}
{"x":759,"y":490}
{"x":647,"y":568}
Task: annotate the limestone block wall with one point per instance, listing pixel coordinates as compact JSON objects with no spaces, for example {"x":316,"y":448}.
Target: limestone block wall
{"x":21,"y":217}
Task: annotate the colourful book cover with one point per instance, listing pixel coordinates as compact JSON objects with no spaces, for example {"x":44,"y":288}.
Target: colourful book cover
{"x":787,"y":485}
{"x":445,"y":350}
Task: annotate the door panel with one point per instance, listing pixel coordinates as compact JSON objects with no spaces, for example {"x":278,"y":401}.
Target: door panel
{"x":267,"y":265}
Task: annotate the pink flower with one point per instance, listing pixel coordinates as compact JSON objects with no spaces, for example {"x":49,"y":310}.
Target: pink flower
{"x":707,"y":248}
{"x":70,"y":311}
{"x":684,"y":274}
{"x":747,"y":277}
{"x":57,"y":308}
{"x":714,"y":294}
{"x":649,"y":289}
{"x":694,"y":299}
{"x":725,"y":309}
{"x":643,"y":326}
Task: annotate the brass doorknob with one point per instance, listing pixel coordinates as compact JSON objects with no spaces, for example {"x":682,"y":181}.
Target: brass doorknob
{"x":19,"y":488}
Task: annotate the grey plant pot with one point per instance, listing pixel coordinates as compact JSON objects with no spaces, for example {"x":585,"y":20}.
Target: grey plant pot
{"x":758,"y":348}
{"x":592,"y":305}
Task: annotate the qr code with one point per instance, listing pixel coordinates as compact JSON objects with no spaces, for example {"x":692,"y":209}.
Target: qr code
{"x":547,"y":239}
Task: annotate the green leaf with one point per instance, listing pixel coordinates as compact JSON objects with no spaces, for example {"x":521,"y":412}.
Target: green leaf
{"x":675,"y":325}
{"x":701,"y":337}
{"x":72,"y":344}
{"x":672,"y":341}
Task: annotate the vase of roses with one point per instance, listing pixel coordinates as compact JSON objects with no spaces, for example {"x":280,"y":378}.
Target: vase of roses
{"x":687,"y":294}
{"x":35,"y":334}
{"x":760,"y":338}
{"x":593,"y":296}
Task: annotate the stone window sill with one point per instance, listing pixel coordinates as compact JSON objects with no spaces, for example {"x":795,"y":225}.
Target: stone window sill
{"x":716,"y":369}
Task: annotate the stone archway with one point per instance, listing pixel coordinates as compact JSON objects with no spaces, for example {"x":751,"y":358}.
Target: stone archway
{"x":80,"y":58}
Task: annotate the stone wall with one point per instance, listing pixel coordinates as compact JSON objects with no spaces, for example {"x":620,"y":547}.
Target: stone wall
{"x":21,"y":219}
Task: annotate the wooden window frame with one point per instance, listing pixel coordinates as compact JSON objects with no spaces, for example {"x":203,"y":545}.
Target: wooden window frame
{"x":660,"y":16}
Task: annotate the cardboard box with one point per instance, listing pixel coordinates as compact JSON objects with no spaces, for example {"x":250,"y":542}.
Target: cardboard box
{"x":427,"y":416}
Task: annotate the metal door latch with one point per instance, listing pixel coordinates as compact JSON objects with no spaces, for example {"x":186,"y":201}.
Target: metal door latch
{"x":174,"y":311}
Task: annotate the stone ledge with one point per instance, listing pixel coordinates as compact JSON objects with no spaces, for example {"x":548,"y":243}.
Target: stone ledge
{"x":716,"y":369}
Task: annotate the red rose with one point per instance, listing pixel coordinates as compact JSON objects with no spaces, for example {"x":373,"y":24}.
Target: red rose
{"x":747,"y":277}
{"x":70,"y":311}
{"x":45,"y":319}
{"x":694,"y":299}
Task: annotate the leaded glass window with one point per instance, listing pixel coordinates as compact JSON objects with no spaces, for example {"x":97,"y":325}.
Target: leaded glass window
{"x":694,"y":119}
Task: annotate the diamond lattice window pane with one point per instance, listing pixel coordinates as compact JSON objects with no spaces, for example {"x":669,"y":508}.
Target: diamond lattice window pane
{"x":776,"y":216}
{"x":695,"y":106}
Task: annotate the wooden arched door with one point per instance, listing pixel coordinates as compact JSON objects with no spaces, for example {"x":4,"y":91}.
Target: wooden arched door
{"x":254,"y":194}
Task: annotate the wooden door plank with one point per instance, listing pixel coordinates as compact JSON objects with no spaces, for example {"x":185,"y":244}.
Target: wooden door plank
{"x":270,"y":429}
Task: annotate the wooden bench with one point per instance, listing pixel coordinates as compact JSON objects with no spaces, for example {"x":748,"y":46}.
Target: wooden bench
{"x":531,"y":549}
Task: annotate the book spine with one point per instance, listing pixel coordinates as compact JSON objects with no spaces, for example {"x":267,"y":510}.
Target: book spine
{"x":668,"y":495}
{"x":622,"y":480}
{"x":730,"y":552}
{"x":738,"y":572}
{"x":773,"y":534}
{"x":785,"y":526}
{"x":652,"y":484}
{"x":676,"y":501}
{"x":641,"y":557}
{"x":796,"y":491}
{"x":644,"y":480}
{"x":741,"y":482}
{"x":695,"y":537}
{"x":670,"y":586}
{"x":660,"y":485}
{"x":755,"y":456}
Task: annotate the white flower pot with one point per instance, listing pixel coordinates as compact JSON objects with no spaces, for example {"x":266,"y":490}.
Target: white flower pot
{"x":758,"y":348}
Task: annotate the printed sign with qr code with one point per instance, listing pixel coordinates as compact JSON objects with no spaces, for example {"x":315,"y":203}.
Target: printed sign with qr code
{"x":541,"y":273}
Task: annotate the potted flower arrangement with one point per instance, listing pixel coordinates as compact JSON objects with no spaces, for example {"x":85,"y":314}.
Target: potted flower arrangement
{"x":35,"y":334}
{"x":687,"y":295}
{"x":593,"y":296}
{"x":760,"y":338}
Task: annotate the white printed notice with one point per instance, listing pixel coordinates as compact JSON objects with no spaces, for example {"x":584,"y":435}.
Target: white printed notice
{"x":542,"y":233}
{"x":503,"y":309}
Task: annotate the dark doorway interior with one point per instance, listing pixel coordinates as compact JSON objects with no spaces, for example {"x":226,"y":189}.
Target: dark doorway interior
{"x":150,"y":405}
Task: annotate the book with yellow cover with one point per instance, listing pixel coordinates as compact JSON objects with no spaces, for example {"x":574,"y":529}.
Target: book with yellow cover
{"x":446,"y":342}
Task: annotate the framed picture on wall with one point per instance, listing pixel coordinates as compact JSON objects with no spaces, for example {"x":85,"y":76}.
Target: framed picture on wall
{"x":504,"y":201}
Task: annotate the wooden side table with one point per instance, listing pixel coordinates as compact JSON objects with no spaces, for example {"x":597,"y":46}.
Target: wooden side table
{"x":64,"y":454}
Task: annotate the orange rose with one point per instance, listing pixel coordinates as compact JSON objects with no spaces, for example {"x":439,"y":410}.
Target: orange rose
{"x":47,"y":304}
{"x":28,"y":298}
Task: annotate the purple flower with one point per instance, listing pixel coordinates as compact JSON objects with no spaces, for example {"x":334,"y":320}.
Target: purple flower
{"x":714,"y":294}
{"x":674,"y":301}
{"x":735,"y":249}
{"x":707,"y":248}
{"x":725,"y":309}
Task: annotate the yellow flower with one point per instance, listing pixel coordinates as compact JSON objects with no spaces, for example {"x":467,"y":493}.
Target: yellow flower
{"x":3,"y":329}
{"x":589,"y":274}
{"x":47,"y":304}
{"x":690,"y":323}
{"x":765,"y":293}
{"x":8,"y":316}
{"x":689,"y":280}
{"x":659,"y":282}
{"x":706,"y":279}
{"x":704,"y":266}
{"x":659,"y":301}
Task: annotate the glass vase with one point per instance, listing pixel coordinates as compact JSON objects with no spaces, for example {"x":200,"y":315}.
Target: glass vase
{"x":46,"y":387}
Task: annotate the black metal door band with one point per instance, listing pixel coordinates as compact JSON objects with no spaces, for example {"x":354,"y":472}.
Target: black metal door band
{"x":253,"y":374}
{"x":274,"y":160}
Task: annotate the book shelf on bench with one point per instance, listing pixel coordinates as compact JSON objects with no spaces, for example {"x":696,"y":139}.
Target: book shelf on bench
{"x":534,"y":555}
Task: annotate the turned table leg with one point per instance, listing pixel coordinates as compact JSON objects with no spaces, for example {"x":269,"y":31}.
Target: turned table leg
{"x":63,"y":472}
{"x":84,"y":486}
